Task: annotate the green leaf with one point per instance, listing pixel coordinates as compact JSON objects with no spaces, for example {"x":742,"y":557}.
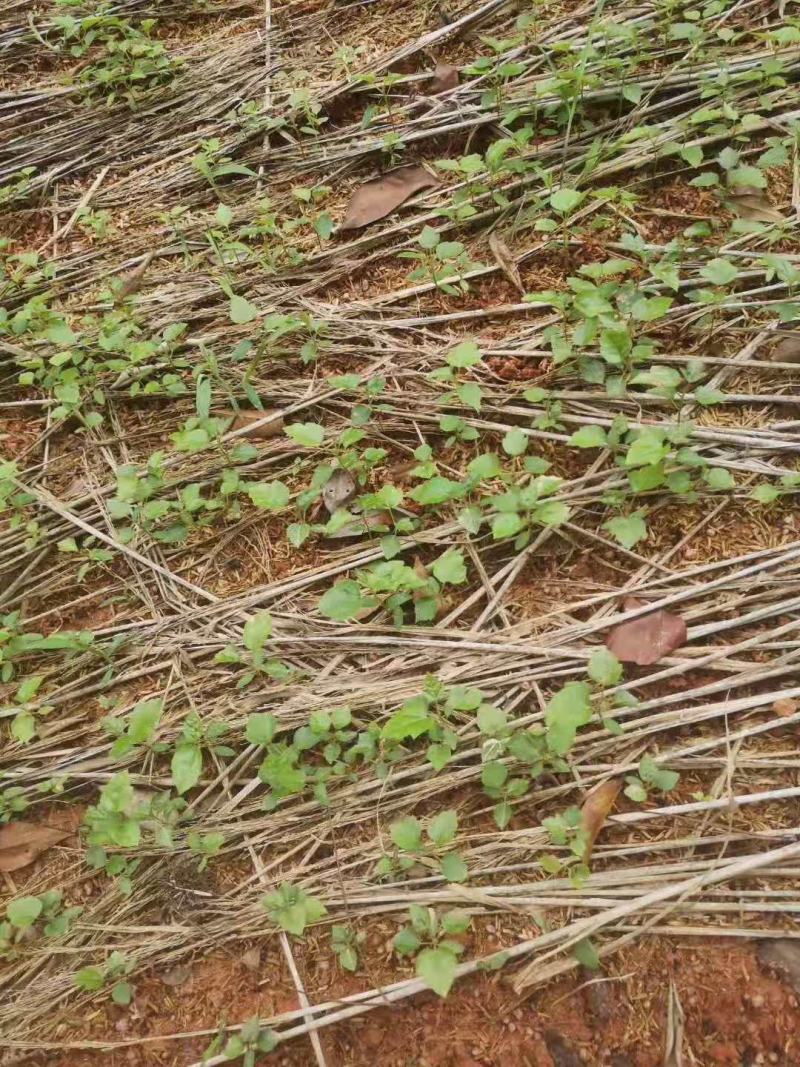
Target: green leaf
{"x":261,"y":728}
{"x":657,"y":777}
{"x":615,"y":345}
{"x":515,"y":442}
{"x":604,"y":667}
{"x":122,"y":993}
{"x":719,"y":478}
{"x":323,"y":224}
{"x":307,"y":434}
{"x":647,"y":450}
{"x":507,"y":524}
{"x":648,"y":309}
{"x":565,"y":200}
{"x":143,"y":720}
{"x":407,"y":834}
{"x":450,"y":568}
{"x":241,"y":310}
{"x":186,"y":766}
{"x":412,"y":720}
{"x":443,"y":827}
{"x":566,"y":711}
{"x":552,"y":513}
{"x":453,"y":868}
{"x":89,"y":978}
{"x":586,"y":954}
{"x":344,"y":601}
{"x":23,"y":727}
{"x":765,"y":494}
{"x":719,"y":271}
{"x":629,"y":530}
{"x":467,"y":354}
{"x":406,"y":941}
{"x":24,"y":911}
{"x":747,"y":175}
{"x":437,"y":490}
{"x":588,"y":437}
{"x":270,"y":496}
{"x":224,"y":215}
{"x":491,"y":720}
{"x":470,"y":394}
{"x":437,"y":967}
{"x":257,"y":632}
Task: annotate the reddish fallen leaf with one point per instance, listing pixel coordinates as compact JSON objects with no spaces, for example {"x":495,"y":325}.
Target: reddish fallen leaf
{"x":753,"y":205}
{"x":21,"y":842}
{"x":647,"y":639}
{"x":785,"y":706}
{"x":445,"y":78}
{"x":244,"y":419}
{"x":376,"y":199}
{"x":595,"y":811}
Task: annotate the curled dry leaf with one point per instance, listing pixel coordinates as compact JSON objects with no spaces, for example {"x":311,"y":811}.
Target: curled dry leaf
{"x":445,"y":78}
{"x":646,"y":639}
{"x":595,"y":811}
{"x":244,"y":419}
{"x":131,"y":283}
{"x":376,"y":199}
{"x":785,"y":706}
{"x":505,"y":260}
{"x":339,"y":490}
{"x":21,"y":842}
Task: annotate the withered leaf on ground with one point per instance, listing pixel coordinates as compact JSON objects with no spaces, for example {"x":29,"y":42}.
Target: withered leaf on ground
{"x":561,"y":1053}
{"x":376,"y":199}
{"x":754,"y":206}
{"x":339,"y":490}
{"x":505,"y":260}
{"x":21,"y":842}
{"x":251,"y":958}
{"x":595,"y":811}
{"x":785,"y":706}
{"x":646,"y":639}
{"x":244,"y":419}
{"x":783,"y":954}
{"x":445,"y":78}
{"x":131,"y":283}
{"x":787,"y":350}
{"x":673,"y":1053}
{"x":177,"y":976}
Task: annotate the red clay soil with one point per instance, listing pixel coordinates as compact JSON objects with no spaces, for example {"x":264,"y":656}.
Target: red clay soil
{"x":738,"y":1012}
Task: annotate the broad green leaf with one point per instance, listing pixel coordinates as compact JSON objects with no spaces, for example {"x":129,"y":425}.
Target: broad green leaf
{"x":186,"y":766}
{"x":407,"y":834}
{"x":719,"y":478}
{"x":453,"y":868}
{"x":508,"y":524}
{"x":515,"y":442}
{"x":24,"y":911}
{"x":629,"y":530}
{"x":437,"y":967}
{"x":565,"y":200}
{"x":567,"y":710}
{"x":344,"y":601}
{"x":412,"y":720}
{"x":260,"y":728}
{"x":270,"y":496}
{"x":604,"y":667}
{"x":588,"y":437}
{"x":257,"y":632}
{"x":450,"y":568}
{"x":306,"y":434}
{"x":467,"y":354}
{"x":652,"y":774}
{"x":719,"y":271}
{"x":443,"y":827}
{"x":241,"y":310}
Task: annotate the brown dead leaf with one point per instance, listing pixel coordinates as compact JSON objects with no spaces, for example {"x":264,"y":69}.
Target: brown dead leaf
{"x":177,"y":976}
{"x":783,"y":954}
{"x":252,"y":958}
{"x":243,"y":419}
{"x":339,"y":490}
{"x":673,"y":1053}
{"x":505,"y":260}
{"x":21,"y":842}
{"x":785,"y":706}
{"x":445,"y":78}
{"x":787,"y":350}
{"x":752,"y":204}
{"x":595,"y":811}
{"x":561,"y":1053}
{"x":131,"y":283}
{"x":647,"y":639}
{"x":376,"y":199}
